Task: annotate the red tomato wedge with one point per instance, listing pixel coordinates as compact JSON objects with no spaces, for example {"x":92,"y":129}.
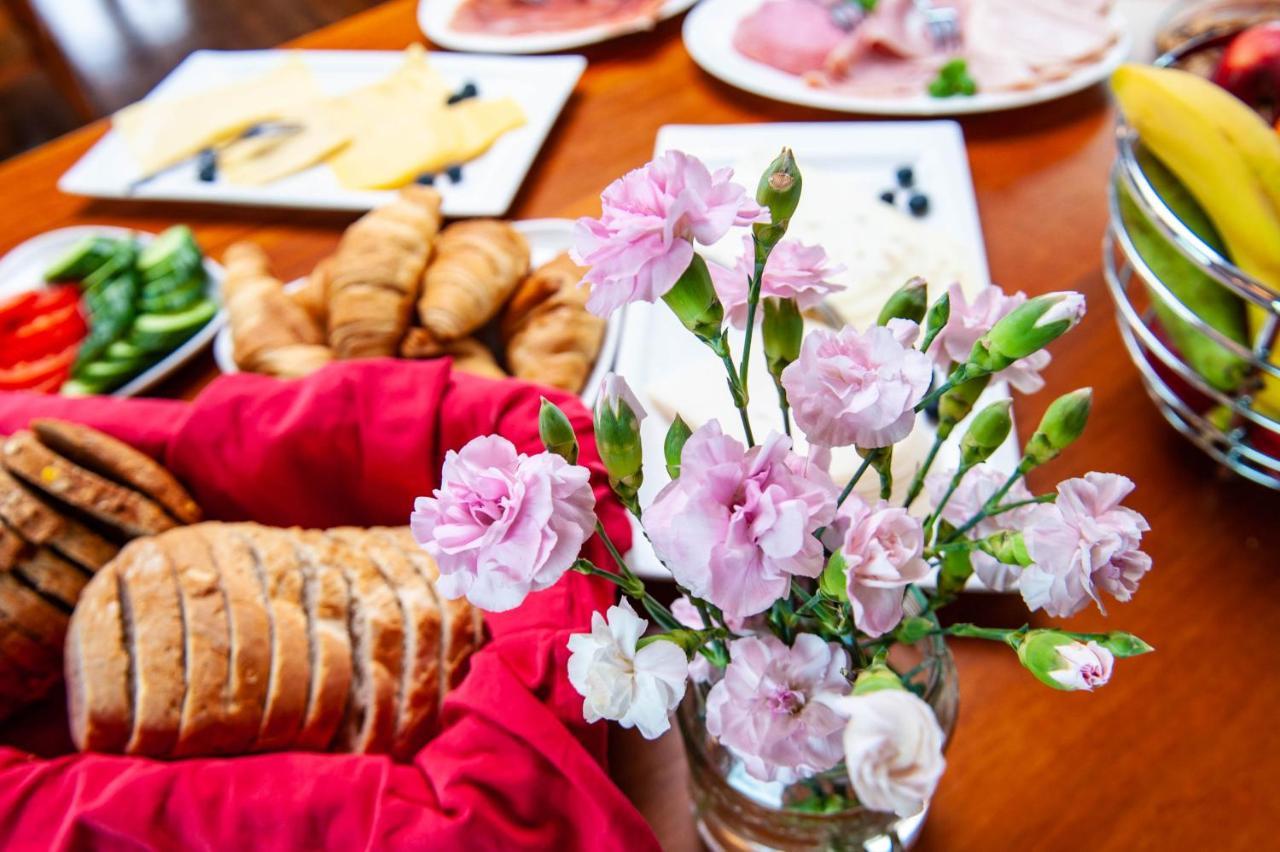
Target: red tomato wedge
{"x":39,"y":373}
{"x":47,"y":332}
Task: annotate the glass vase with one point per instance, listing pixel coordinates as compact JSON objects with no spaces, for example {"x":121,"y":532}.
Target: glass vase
{"x":735,"y":812}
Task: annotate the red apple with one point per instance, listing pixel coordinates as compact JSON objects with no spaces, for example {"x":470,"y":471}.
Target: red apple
{"x":1250,"y":67}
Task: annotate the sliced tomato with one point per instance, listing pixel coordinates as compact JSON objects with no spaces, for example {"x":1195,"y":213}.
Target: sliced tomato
{"x":45,"y":333}
{"x":52,"y":384}
{"x":30,"y":374}
{"x":53,"y":298}
{"x":16,"y":310}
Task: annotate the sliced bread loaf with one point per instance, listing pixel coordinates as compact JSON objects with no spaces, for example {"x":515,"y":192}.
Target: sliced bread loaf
{"x":99,"y":674}
{"x":39,"y":523}
{"x":151,"y":614}
{"x":326,"y":601}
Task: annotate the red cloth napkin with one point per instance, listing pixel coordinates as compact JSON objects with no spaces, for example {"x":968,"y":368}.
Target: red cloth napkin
{"x":514,"y":766}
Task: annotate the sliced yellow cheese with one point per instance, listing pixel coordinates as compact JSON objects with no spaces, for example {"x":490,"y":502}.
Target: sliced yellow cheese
{"x":262,"y":159}
{"x":160,"y":133}
{"x":481,"y":122}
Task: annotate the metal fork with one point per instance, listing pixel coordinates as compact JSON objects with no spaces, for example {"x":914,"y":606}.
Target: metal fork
{"x":942,"y":22}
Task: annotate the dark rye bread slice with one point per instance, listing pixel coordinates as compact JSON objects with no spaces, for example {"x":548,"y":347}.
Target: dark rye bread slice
{"x":53,"y":577}
{"x":98,"y":668}
{"x":116,"y":460}
{"x":250,"y":635}
{"x":280,"y":576}
{"x":377,"y":640}
{"x":326,"y":603}
{"x":82,"y":489}
{"x":13,"y":548}
{"x":39,"y":523}
{"x":204,"y":727}
{"x":462,"y":629}
{"x":151,"y":613}
{"x":418,"y":694}
{"x":28,"y":613}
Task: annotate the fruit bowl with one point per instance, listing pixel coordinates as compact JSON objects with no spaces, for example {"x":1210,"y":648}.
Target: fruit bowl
{"x":1203,"y":380}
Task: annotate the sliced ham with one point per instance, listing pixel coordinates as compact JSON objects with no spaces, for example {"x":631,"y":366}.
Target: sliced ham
{"x":795,"y":36}
{"x":522,"y":17}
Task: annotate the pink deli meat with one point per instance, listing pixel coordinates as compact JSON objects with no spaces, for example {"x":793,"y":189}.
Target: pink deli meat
{"x":523,"y":17}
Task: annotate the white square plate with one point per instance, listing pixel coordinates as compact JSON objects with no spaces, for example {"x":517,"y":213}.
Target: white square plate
{"x":541,"y":85}
{"x":865,"y":156}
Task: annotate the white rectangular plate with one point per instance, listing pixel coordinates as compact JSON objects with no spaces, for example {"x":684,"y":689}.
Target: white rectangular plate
{"x":867,"y":155}
{"x":541,"y":85}
{"x":23,"y":269}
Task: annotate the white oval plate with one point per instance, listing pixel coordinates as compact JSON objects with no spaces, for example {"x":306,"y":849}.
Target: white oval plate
{"x":23,"y":269}
{"x":708,"y":36}
{"x":435,"y":20}
{"x":547,"y":238}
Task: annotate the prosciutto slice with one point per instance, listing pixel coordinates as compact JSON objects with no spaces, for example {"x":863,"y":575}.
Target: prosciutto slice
{"x":522,"y":17}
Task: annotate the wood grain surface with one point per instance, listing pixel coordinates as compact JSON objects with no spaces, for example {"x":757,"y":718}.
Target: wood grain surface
{"x":1181,"y":750}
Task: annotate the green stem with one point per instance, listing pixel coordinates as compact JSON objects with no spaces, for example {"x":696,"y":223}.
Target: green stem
{"x":1009,"y":507}
{"x":783,"y":405}
{"x":917,"y":483}
{"x":853,"y":480}
{"x":739,"y":394}
{"x":753,"y":300}
{"x":994,"y":501}
{"x":942,"y":504}
{"x":632,"y":585}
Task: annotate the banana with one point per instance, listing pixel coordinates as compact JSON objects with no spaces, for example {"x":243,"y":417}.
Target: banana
{"x":1229,"y":159}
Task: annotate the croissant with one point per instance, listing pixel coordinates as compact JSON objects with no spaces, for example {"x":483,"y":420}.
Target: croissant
{"x":469,"y":355}
{"x":477,"y":265}
{"x":374,"y":276}
{"x":270,"y":332}
{"x":313,"y":295}
{"x":550,"y":336}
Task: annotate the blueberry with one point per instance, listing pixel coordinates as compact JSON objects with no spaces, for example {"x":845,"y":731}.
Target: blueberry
{"x":256,"y":130}
{"x":207,"y":165}
{"x":888,"y":196}
{"x":426,"y":179}
{"x":467,"y":91}
{"x":919,"y":204}
{"x":455,"y":174}
{"x":906,"y":177}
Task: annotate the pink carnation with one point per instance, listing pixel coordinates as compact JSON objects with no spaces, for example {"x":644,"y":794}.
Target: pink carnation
{"x":977,"y":486}
{"x":858,"y":388}
{"x":883,"y":550}
{"x":765,"y":710}
{"x":643,"y":240}
{"x":793,"y":271}
{"x":738,"y":523}
{"x":1084,"y":543}
{"x":504,"y":524}
{"x":969,"y":321}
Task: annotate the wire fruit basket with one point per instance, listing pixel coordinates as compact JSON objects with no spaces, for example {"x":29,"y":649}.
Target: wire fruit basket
{"x":1224,"y":424}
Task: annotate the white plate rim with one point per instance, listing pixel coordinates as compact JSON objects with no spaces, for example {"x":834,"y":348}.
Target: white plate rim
{"x":435,"y":17}
{"x":709,"y":18}
{"x":59,"y":239}
{"x":81,"y":178}
{"x":560,"y":230}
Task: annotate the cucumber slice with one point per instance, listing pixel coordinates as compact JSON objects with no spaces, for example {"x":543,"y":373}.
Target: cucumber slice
{"x":76,"y":387}
{"x":112,"y":308}
{"x":121,"y":260}
{"x":106,"y":372}
{"x":123,"y":350}
{"x":174,"y":249}
{"x":163,"y":332}
{"x":169,"y":283}
{"x":82,"y":259}
{"x":173,"y":301}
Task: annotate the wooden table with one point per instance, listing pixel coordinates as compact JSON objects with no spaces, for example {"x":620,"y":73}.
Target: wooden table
{"x":1181,"y":750}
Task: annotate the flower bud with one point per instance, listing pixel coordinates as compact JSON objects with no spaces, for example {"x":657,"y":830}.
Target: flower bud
{"x":986,"y":432}
{"x":1060,"y":662}
{"x":1007,"y":547}
{"x":936,"y":320}
{"x":1028,"y":328}
{"x":556,"y":432}
{"x":1124,"y":644}
{"x":907,"y":302}
{"x":957,"y":567}
{"x":673,"y":446}
{"x":779,"y":193}
{"x":955,"y":404}
{"x":914,"y":628}
{"x":617,"y":424}
{"x":1062,"y":424}
{"x":833,"y":582}
{"x":783,"y":334}
{"x":874,"y":678}
{"x":693,"y":300}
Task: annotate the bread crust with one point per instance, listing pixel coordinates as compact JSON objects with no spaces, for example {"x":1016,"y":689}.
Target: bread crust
{"x":39,"y":523}
{"x":31,"y":615}
{"x":116,"y":460}
{"x":326,"y":603}
{"x":54,"y":577}
{"x":82,"y":489}
{"x":249,"y":663}
{"x":157,"y":649}
{"x":98,"y":669}
{"x":280,"y":574}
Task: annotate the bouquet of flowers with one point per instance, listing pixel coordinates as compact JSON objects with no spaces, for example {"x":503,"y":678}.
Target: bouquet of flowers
{"x":794,"y":587}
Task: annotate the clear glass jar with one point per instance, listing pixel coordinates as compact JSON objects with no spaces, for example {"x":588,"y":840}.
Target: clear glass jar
{"x":736,"y":813}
